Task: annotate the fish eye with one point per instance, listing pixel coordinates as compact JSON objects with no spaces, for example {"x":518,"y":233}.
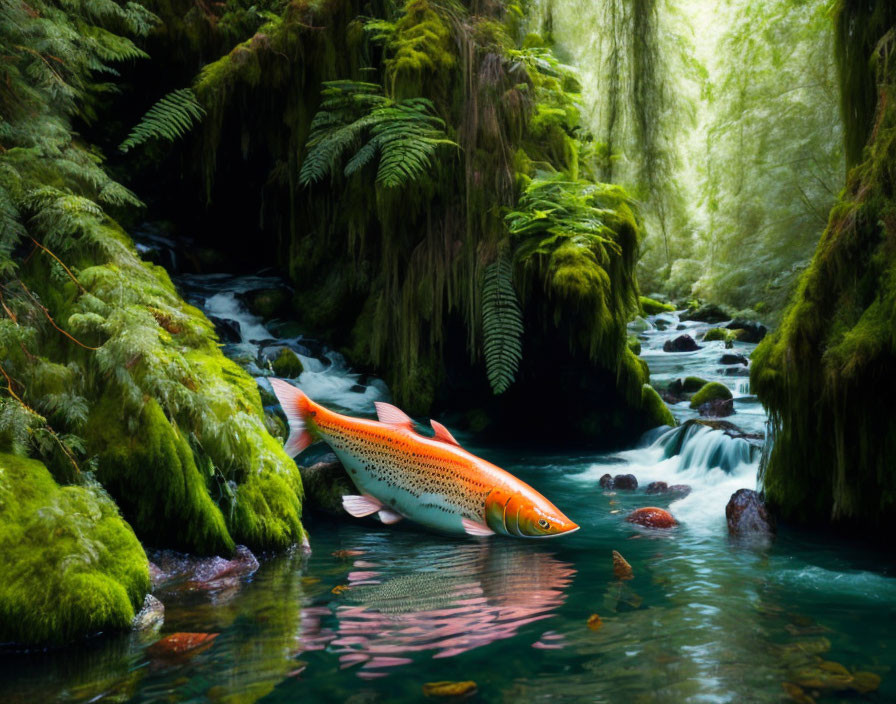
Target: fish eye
{"x":543,"y":523}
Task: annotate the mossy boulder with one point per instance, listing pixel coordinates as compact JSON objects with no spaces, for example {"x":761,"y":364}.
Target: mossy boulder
{"x":634,"y":344}
{"x":692,"y":384}
{"x":657,"y":410}
{"x":713,"y":391}
{"x":707,"y":313}
{"x":149,"y":467}
{"x":71,"y":565}
{"x":719,"y":334}
{"x":651,"y":306}
{"x":268,"y":303}
{"x":287,"y":364}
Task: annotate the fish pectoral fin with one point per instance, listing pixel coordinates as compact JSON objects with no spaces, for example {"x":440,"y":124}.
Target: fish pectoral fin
{"x":389,"y":517}
{"x":360,"y":506}
{"x":442,"y":433}
{"x":475,"y":528}
{"x":387,"y":413}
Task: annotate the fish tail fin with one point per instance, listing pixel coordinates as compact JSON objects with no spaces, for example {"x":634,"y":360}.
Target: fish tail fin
{"x":297,"y":406}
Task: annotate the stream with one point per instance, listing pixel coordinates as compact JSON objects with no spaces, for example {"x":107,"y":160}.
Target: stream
{"x":374,"y":613}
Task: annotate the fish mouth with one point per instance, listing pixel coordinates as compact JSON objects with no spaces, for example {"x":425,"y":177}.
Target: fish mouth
{"x":555,"y":535}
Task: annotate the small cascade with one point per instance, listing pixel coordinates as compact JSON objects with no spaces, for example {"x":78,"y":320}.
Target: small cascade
{"x":700,"y":447}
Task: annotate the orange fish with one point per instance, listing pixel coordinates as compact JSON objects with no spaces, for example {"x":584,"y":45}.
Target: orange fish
{"x":430,"y":480}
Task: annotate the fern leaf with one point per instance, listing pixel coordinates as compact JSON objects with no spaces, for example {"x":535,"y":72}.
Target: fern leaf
{"x":502,"y":325}
{"x":170,"y":118}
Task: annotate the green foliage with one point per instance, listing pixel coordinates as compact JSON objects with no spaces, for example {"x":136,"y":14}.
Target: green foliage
{"x":71,"y":566}
{"x":170,"y":118}
{"x":713,"y":391}
{"x":825,"y":375}
{"x":573,"y":243}
{"x":502,"y":325}
{"x":405,"y":135}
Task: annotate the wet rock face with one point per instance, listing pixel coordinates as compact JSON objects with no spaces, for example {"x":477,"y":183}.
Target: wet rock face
{"x":325,"y":483}
{"x":734,"y":359}
{"x":201,"y":573}
{"x":727,"y":427}
{"x":652,"y":517}
{"x":151,"y":616}
{"x":749,"y":332}
{"x":682,"y":343}
{"x":717,"y":408}
{"x":228,"y":330}
{"x":747,"y":515}
{"x":680,"y":490}
{"x":625,"y":482}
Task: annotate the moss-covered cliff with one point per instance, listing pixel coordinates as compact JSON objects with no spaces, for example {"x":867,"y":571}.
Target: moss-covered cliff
{"x":826,"y":376}
{"x":107,"y":374}
{"x":423,"y":174}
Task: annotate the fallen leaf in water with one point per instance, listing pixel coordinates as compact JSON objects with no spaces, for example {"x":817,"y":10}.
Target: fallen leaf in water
{"x":594,"y":622}
{"x":864,"y":682}
{"x":449,"y":689}
{"x":181,"y":644}
{"x":339,"y":588}
{"x":616,"y":510}
{"x":344,"y":554}
{"x":621,"y":568}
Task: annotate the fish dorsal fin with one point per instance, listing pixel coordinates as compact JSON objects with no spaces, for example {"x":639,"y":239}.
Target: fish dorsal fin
{"x":387,"y":413}
{"x":442,"y":433}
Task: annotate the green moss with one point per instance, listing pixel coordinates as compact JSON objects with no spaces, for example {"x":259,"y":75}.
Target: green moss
{"x":71,"y":566}
{"x":287,"y":364}
{"x":656,"y":409}
{"x":825,"y":375}
{"x":649,"y":306}
{"x":713,"y":391}
{"x":150,"y":470}
{"x":634,"y":344}
{"x":715,"y":334}
{"x":692,"y":384}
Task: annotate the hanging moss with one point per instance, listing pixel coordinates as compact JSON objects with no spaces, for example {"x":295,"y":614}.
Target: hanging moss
{"x":825,"y":375}
{"x":71,"y":566}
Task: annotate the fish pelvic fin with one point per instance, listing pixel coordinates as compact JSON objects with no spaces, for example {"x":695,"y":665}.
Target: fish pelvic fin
{"x":391,"y":415}
{"x":297,"y":406}
{"x":389,"y":517}
{"x":360,"y":506}
{"x":480,"y":530}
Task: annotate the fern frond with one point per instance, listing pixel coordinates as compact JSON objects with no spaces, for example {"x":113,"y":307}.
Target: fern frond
{"x":502,"y":325}
{"x":171,"y":117}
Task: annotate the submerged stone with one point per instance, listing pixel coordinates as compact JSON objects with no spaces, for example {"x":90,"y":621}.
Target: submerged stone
{"x":151,"y":616}
{"x":652,"y":517}
{"x":625,"y":482}
{"x":717,"y":408}
{"x":622,"y":570}
{"x":734,"y":359}
{"x":227,"y":330}
{"x":196,"y":573}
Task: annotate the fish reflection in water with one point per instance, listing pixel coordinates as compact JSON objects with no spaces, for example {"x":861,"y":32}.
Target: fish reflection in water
{"x":464,"y":597}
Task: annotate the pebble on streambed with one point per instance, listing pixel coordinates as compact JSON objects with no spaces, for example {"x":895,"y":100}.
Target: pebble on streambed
{"x":652,"y":517}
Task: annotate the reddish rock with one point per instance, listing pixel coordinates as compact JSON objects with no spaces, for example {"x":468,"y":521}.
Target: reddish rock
{"x":747,"y":514}
{"x":179,"y":645}
{"x":652,"y":517}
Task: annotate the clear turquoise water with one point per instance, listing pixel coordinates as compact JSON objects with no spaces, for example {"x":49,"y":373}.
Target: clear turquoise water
{"x":704,"y":619}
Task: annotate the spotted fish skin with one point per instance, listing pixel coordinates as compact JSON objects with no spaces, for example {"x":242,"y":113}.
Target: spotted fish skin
{"x":430,"y":480}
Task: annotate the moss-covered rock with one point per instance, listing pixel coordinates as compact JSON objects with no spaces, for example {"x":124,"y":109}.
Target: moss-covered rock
{"x":707,"y":313}
{"x":650,"y":306}
{"x":634,"y":344}
{"x":148,"y":465}
{"x":713,"y":391}
{"x":268,"y":303}
{"x":71,"y":565}
{"x":287,"y":364}
{"x":718,"y":334}
{"x":691,"y":384}
{"x":655,"y":407}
